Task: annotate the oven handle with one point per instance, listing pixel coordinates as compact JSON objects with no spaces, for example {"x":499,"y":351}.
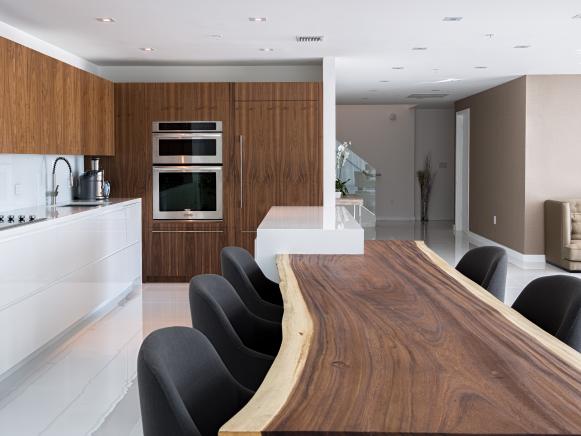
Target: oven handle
{"x":177,"y":135}
{"x":186,"y":169}
{"x":241,"y":171}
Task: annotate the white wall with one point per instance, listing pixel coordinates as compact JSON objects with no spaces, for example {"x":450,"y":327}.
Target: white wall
{"x":388,"y":145}
{"x":214,"y":73}
{"x":26,"y":178}
{"x":329,"y":140}
{"x":435,"y":130}
{"x":27,"y":40}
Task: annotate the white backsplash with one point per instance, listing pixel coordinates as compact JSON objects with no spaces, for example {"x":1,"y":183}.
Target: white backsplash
{"x":25,"y":179}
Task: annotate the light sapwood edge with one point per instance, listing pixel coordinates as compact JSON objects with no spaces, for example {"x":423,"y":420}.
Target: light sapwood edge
{"x":285,"y":372}
{"x":552,"y":344}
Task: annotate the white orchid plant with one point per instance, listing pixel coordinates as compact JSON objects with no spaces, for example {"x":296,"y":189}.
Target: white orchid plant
{"x":343,"y":153}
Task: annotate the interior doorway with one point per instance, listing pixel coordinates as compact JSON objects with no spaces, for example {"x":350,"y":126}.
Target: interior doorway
{"x":462,"y":197}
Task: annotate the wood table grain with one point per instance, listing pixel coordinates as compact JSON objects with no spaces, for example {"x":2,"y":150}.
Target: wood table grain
{"x":397,"y":342}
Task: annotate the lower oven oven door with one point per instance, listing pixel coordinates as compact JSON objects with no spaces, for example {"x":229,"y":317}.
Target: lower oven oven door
{"x":187,"y":192}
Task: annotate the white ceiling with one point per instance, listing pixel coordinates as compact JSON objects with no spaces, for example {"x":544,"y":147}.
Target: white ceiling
{"x":368,"y":37}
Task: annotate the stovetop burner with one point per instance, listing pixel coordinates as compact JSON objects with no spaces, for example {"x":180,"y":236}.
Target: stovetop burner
{"x":9,"y":220}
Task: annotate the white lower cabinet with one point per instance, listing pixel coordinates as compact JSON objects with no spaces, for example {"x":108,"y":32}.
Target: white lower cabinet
{"x":58,"y":272}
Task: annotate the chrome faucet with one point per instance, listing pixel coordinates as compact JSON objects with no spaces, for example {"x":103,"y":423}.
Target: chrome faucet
{"x":55,"y":187}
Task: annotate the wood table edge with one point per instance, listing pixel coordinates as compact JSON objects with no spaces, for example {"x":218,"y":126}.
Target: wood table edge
{"x":557,"y":347}
{"x":285,"y":372}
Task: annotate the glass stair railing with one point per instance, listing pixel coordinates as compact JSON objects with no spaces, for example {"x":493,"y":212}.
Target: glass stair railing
{"x":362,"y":178}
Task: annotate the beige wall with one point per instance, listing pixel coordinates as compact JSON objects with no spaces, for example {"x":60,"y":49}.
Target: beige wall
{"x":497,"y":162}
{"x":435,"y":134}
{"x":553,"y":149}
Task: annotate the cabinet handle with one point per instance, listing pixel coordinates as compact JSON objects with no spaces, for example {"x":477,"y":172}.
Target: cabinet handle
{"x":241,"y":170}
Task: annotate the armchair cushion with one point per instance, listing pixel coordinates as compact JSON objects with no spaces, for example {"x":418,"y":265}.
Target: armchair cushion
{"x":576,"y":226}
{"x":573,"y":251}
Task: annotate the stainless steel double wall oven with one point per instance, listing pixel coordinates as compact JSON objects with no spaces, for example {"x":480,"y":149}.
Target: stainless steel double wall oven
{"x":187,"y":170}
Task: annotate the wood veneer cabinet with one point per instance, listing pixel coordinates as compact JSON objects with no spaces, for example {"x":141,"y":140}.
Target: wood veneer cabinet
{"x":178,"y":256}
{"x":280,"y":163}
{"x":173,"y":250}
{"x":48,"y":106}
{"x":97,"y":116}
{"x":278,"y":129}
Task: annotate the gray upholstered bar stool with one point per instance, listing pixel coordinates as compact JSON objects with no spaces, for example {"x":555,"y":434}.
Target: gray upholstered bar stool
{"x":184,"y":387}
{"x":554,"y":304}
{"x":261,"y":295}
{"x":486,"y":266}
{"x":246,"y":343}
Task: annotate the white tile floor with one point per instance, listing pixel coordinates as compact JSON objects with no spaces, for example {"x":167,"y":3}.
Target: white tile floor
{"x":86,"y":385}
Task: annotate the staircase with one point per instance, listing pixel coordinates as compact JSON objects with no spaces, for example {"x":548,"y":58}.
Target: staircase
{"x":362,"y":180}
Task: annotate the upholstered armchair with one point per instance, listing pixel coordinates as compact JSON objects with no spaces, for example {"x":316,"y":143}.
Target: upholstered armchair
{"x":563,"y":233}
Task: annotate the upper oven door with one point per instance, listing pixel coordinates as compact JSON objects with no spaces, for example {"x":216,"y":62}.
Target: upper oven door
{"x":187,"y":148}
{"x":187,"y":192}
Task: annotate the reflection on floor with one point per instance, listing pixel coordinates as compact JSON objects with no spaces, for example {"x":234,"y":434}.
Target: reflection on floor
{"x":87,"y":384}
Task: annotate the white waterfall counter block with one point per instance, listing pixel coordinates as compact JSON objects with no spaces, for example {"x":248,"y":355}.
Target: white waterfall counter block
{"x":57,"y":272}
{"x":300,"y":230}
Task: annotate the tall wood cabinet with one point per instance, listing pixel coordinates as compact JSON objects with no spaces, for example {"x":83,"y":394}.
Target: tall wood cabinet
{"x":278,"y":130}
{"x":272,"y":155}
{"x":50,"y":107}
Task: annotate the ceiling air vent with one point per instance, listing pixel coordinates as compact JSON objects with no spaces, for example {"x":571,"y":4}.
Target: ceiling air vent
{"x":310,"y":38}
{"x":425,"y":96}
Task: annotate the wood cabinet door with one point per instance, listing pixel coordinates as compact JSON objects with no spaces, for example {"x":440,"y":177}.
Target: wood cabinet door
{"x":299,"y":154}
{"x":280,"y":157}
{"x":178,"y":256}
{"x":97,"y":116}
{"x":256,"y":134}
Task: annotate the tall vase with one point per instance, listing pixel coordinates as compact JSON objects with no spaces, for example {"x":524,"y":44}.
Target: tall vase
{"x":424,"y":210}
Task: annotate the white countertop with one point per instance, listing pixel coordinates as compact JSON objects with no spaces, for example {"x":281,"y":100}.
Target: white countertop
{"x":305,"y":218}
{"x":60,"y":213}
{"x":301,"y":230}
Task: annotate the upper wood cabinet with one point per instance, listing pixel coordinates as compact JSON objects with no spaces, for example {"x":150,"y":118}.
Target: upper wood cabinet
{"x":97,"y":116}
{"x":49,"y":107}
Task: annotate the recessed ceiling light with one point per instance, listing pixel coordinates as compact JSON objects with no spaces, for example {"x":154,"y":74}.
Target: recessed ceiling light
{"x":216,"y":36}
{"x":373,"y":90}
{"x":419,"y":48}
{"x":576,"y":17}
{"x":397,"y":68}
{"x":452,"y":19}
{"x":522,"y":46}
{"x":435,"y":90}
{"x":435,"y":69}
{"x":480,"y":67}
{"x":266,"y":49}
{"x":105,"y":19}
{"x":147,"y":49}
{"x":489,"y":35}
{"x":384,"y":81}
{"x":257,"y":19}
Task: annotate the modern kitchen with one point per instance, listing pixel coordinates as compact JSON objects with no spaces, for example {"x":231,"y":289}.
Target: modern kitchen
{"x":123,"y":184}
{"x":181,"y":253}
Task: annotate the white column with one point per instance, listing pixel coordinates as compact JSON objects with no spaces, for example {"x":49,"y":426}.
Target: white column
{"x":329,"y":140}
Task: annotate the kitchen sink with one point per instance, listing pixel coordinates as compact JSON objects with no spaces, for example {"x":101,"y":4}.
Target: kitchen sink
{"x":84,"y":204}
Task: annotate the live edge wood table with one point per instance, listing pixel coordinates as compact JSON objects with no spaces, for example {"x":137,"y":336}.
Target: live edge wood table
{"x":397,"y":342}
